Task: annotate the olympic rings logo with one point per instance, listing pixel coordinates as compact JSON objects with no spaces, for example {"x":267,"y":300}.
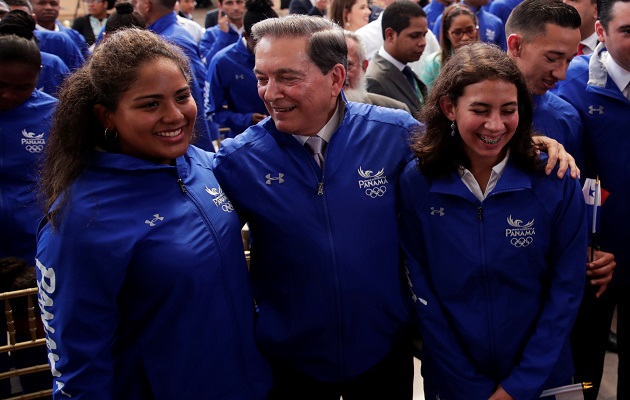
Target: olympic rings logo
{"x":522,"y":242}
{"x":34,"y":148}
{"x":378,"y":191}
{"x":227,"y":207}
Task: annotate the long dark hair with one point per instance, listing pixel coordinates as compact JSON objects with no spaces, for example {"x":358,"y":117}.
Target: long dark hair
{"x":449,"y":14}
{"x":440,"y":153}
{"x":76,"y":131}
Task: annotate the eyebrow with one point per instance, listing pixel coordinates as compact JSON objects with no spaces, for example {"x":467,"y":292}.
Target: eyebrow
{"x":280,"y":71}
{"x":480,"y":103}
{"x":160,"y":96}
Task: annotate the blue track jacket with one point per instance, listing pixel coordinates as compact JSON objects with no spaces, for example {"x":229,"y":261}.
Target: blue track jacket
{"x":214,"y":40}
{"x":325,"y":266}
{"x":605,"y":114}
{"x":497,"y":284}
{"x":557,"y":119}
{"x":144,"y":289}
{"x":23,"y":134}
{"x":62,"y":46}
{"x":231,"y":82}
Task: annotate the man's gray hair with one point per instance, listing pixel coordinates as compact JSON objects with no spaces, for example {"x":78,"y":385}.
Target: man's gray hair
{"x":361,"y":52}
{"x":326,"y":45}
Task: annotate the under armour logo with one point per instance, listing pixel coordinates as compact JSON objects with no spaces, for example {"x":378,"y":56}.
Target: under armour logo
{"x":278,"y":178}
{"x":156,"y":217}
{"x":592,"y":109}
{"x":241,"y":76}
{"x":439,"y":211}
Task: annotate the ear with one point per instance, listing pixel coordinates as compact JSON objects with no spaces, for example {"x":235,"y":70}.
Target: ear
{"x":338,"y":74}
{"x":514,"y":45}
{"x":599,"y":29}
{"x":104,"y":115}
{"x":365,"y":65}
{"x":448,"y":107}
{"x":390,"y":34}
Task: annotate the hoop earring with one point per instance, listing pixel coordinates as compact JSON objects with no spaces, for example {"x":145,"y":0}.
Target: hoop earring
{"x":453,"y":128}
{"x":109,"y":138}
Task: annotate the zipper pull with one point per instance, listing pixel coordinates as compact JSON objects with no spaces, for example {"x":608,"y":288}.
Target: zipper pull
{"x":181,"y":185}
{"x":320,"y":189}
{"x":480,"y":213}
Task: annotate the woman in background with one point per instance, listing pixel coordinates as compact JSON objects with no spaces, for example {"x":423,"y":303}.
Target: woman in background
{"x":349,"y":14}
{"x":91,"y":25}
{"x":459,"y":28}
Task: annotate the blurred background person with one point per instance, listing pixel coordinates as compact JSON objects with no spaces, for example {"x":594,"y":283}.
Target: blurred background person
{"x":25,"y":121}
{"x":231,"y":92}
{"x":186,"y":8}
{"x":355,"y":87}
{"x":53,"y":69}
{"x":491,"y":28}
{"x":50,"y":41}
{"x":349,"y":14}
{"x":316,"y":8}
{"x":459,"y":27}
{"x":195,"y":30}
{"x":47,"y":12}
{"x":434,"y":9}
{"x":588,"y":15}
{"x":404,"y":28}
{"x":228,"y":29}
{"x":91,"y":25}
{"x":123,"y":17}
{"x":4,"y":9}
{"x":143,"y":283}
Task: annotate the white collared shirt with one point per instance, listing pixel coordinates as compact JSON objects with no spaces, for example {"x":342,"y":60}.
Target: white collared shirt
{"x":617,"y":73}
{"x":590,"y":43}
{"x":331,"y":126}
{"x":237,"y":29}
{"x":41,"y":28}
{"x":472,"y":184}
{"x":383,"y":53}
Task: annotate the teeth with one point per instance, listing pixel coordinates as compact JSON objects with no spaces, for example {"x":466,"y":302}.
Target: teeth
{"x":490,"y":141}
{"x":284,"y":109}
{"x":169,"y":134}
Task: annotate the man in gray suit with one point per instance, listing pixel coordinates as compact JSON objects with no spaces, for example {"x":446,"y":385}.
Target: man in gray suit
{"x":355,"y":87}
{"x":404,"y":28}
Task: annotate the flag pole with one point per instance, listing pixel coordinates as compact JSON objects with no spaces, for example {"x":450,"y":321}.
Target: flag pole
{"x":596,"y":201}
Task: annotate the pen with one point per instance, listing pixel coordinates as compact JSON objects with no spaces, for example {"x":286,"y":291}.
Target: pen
{"x":566,"y":389}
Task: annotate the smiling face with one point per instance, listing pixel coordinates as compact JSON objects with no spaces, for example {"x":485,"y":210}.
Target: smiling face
{"x":298,"y":96}
{"x":544,"y":59}
{"x":486,"y":116}
{"x":155,"y":116}
{"x":358,"y":16}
